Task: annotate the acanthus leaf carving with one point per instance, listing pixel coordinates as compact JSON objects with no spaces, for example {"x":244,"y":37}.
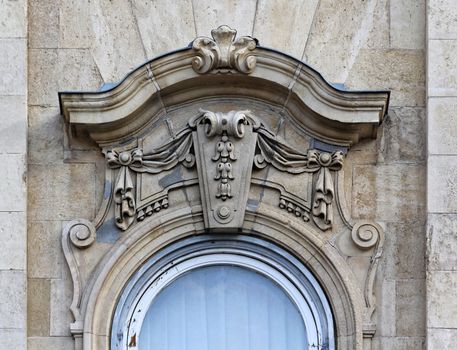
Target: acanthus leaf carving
{"x":223,"y":52}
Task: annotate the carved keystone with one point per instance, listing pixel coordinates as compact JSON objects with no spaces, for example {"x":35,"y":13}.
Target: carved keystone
{"x":223,"y":52}
{"x":226,"y":144}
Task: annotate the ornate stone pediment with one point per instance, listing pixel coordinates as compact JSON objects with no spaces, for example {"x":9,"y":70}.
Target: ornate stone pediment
{"x":224,"y":147}
{"x":222,"y":137}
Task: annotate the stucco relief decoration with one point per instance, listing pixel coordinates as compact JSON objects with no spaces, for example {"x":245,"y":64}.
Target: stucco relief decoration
{"x":164,"y":158}
{"x":224,"y":125}
{"x":224,"y":153}
{"x":223,"y":53}
{"x":285,"y":158}
{"x":265,"y":147}
{"x":324,"y":188}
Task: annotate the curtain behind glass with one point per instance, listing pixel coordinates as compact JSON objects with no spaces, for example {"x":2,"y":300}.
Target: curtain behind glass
{"x":222,"y":308}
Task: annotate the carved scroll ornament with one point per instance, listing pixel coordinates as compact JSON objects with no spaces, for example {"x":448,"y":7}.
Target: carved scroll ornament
{"x":223,"y":52}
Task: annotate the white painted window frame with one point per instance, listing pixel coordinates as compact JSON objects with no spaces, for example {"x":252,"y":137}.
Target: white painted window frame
{"x":217,"y":256}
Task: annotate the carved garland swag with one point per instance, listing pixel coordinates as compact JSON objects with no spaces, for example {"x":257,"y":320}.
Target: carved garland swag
{"x":180,"y":150}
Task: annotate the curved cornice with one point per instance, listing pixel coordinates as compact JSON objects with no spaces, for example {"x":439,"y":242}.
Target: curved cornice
{"x":335,"y":116}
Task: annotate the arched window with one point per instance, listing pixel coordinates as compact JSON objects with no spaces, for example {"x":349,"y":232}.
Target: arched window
{"x":220,"y":292}
{"x":223,"y":136}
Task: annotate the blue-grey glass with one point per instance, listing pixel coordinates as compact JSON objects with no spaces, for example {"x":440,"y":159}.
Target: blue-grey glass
{"x":223,"y":308}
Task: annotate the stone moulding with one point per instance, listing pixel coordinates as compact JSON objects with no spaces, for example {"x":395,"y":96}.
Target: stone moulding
{"x":335,"y":116}
{"x":220,"y":154}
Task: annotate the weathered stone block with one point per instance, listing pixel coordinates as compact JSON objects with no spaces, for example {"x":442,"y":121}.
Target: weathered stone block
{"x":13,"y":339}
{"x":44,"y":23}
{"x":75,"y":24}
{"x":442,"y":184}
{"x":407,"y":24}
{"x":116,"y":47}
{"x":13,"y":307}
{"x":44,"y":249}
{"x":50,"y":343}
{"x":77,"y":71}
{"x":272,"y":31}
{"x":13,"y":126}
{"x":442,"y":16}
{"x":401,"y":71}
{"x":340,"y":29}
{"x":398,"y":343}
{"x":61,"y":192}
{"x":13,"y":235}
{"x":60,"y":315}
{"x":404,"y":251}
{"x":45,"y":135}
{"x":13,"y":184}
{"x":410,"y":308}
{"x":53,"y":70}
{"x":42,"y":77}
{"x":389,"y":192}
{"x":441,"y":338}
{"x":403,"y":135}
{"x":442,"y":238}
{"x":386,"y":303}
{"x":13,"y":19}
{"x":162,"y":35}
{"x":441,"y":73}
{"x":442,"y":114}
{"x":236,"y":14}
{"x":38,"y":309}
{"x":441,"y":301}
{"x":365,"y":152}
{"x":379,"y":36}
{"x":13,"y":67}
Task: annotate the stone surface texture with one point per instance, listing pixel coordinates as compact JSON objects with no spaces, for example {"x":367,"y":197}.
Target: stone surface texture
{"x":441,"y":35}
{"x":50,"y":46}
{"x":13,"y":187}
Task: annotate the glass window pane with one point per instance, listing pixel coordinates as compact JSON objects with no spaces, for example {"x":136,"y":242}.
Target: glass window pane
{"x":222,"y":308}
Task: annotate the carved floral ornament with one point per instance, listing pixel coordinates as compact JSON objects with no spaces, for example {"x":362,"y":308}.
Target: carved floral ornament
{"x":223,"y":52}
{"x":227,"y":127}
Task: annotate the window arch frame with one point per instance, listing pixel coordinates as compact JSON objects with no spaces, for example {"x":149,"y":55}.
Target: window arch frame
{"x":256,"y":254}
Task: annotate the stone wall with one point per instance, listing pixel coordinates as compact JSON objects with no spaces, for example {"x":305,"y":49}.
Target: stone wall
{"x":372,"y":44}
{"x":13,"y":174}
{"x":441,"y":193}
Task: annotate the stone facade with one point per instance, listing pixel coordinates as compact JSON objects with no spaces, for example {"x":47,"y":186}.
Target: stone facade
{"x":441,"y":208}
{"x":404,"y":179}
{"x":13,"y":154}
